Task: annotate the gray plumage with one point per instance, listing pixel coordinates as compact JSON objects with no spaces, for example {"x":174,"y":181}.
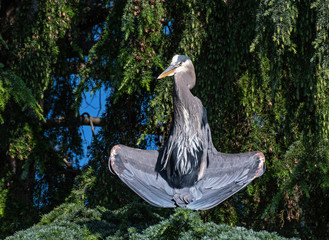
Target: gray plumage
{"x":188,"y":171}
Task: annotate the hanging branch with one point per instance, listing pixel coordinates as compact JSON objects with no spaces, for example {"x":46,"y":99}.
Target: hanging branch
{"x":83,"y":120}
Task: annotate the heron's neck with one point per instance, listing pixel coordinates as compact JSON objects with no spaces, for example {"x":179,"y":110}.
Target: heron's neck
{"x":183,"y":98}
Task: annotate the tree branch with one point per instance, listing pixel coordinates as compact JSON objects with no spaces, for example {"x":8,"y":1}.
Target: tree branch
{"x":82,"y":121}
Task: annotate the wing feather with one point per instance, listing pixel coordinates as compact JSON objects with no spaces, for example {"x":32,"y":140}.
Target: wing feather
{"x":137,"y":169}
{"x":226,"y":175}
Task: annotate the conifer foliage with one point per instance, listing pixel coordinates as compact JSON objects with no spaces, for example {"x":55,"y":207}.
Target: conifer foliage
{"x":134,"y":221}
{"x":262,"y":73}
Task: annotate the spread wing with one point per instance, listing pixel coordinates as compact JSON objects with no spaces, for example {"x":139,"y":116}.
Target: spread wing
{"x":225,"y":175}
{"x":138,"y":170}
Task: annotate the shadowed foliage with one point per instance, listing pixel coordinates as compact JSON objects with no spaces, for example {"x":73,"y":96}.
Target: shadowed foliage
{"x":134,"y":221}
{"x":262,"y":74}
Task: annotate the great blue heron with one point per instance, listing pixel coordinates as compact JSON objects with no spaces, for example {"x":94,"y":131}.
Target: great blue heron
{"x":188,"y":171}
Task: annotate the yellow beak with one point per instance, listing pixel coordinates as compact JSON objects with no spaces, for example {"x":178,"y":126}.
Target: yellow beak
{"x":168,"y":72}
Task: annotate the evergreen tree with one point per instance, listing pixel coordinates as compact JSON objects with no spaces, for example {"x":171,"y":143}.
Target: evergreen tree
{"x":262,"y":72}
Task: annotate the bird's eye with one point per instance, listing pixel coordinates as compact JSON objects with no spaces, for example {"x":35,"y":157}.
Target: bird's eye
{"x":180,"y":64}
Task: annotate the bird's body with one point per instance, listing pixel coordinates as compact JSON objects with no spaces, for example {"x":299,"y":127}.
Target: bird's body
{"x":188,"y":171}
{"x":185,"y":146}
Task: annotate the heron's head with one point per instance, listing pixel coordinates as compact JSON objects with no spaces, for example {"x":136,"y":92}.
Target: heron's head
{"x":180,"y":64}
